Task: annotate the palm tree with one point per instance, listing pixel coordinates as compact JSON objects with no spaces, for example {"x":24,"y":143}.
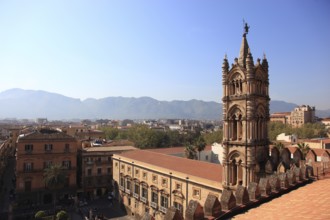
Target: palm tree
{"x":190,"y":151}
{"x":304,"y":148}
{"x":54,"y":179}
{"x":200,"y":146}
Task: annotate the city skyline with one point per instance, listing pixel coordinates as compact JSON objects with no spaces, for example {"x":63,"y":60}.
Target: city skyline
{"x":167,"y":50}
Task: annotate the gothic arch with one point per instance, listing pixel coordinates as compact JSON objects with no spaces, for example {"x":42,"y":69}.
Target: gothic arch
{"x":261,"y":122}
{"x":235,"y":116}
{"x":235,"y":83}
{"x":236,"y":160}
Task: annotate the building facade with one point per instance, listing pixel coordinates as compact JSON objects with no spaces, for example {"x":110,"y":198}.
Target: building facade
{"x":36,"y":152}
{"x":245,"y":117}
{"x":150,"y":182}
{"x":96,"y":176}
{"x":302,"y":115}
{"x":283,"y":117}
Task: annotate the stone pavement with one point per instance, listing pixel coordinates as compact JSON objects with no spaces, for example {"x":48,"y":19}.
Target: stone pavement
{"x":308,"y":202}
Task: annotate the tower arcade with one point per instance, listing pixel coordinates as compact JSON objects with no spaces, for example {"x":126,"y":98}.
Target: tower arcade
{"x":245,"y":117}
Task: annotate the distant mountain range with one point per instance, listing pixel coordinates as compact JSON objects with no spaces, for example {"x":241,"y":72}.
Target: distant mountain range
{"x":30,"y":104}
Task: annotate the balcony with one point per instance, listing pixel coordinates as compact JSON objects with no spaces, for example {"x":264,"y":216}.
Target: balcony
{"x":162,"y":209}
{"x":135,"y":195}
{"x":127,"y":191}
{"x":121,"y":188}
{"x":154,"y":205}
{"x":143,"y":199}
{"x":89,"y":163}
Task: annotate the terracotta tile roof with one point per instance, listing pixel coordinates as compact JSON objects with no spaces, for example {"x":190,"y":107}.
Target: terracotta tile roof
{"x":109,"y":148}
{"x":319,"y":152}
{"x":292,"y":149}
{"x":39,"y":136}
{"x":195,"y":168}
{"x":175,"y":150}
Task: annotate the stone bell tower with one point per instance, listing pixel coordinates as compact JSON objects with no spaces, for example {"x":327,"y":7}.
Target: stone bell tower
{"x":245,"y":117}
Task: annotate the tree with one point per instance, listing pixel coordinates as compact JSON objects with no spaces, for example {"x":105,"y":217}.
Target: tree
{"x":62,"y":215}
{"x":39,"y":215}
{"x":304,"y":148}
{"x":200,"y":146}
{"x":54,"y":179}
{"x":214,"y":137}
{"x":190,"y":152}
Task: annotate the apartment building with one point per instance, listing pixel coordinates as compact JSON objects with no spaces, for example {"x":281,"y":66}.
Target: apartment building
{"x":39,"y":150}
{"x":283,"y":117}
{"x":302,"y":115}
{"x":96,"y":175}
{"x":151,"y":182}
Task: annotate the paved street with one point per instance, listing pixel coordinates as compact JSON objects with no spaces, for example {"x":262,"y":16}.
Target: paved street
{"x":102,"y":207}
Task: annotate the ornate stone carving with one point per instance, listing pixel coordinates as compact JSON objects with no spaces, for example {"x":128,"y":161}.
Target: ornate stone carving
{"x":274,"y":183}
{"x":212,"y":206}
{"x":284,"y":182}
{"x":173,"y":213}
{"x":253,"y":190}
{"x":264,"y":186}
{"x":228,"y":200}
{"x":242,"y":195}
{"x":194,"y":211}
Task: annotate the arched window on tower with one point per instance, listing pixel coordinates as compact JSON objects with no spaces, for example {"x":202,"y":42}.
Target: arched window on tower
{"x":236,"y":85}
{"x":236,"y":126}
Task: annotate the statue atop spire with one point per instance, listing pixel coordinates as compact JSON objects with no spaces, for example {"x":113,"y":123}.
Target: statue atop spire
{"x":246,"y":28}
{"x":244,"y":47}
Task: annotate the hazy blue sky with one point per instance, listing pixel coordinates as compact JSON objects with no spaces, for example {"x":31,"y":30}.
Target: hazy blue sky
{"x":168,"y":50}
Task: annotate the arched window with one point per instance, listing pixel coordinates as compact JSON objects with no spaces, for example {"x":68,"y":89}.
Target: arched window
{"x":236,"y":125}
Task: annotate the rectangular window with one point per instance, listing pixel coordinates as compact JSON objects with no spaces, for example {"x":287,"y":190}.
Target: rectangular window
{"x":28,"y":167}
{"x":137,"y":172}
{"x":121,"y":181}
{"x":109,"y":159}
{"x":144,"y":175}
{"x":128,"y":184}
{"x":154,"y":178}
{"x":164,"y":182}
{"x":154,"y":197}
{"x":28,"y":147}
{"x":123,"y":167}
{"x":109,"y":171}
{"x":137,"y":188}
{"x":164,"y":201}
{"x":89,"y":172}
{"x":178,"y":206}
{"x":48,"y":147}
{"x":66,"y":164}
{"x":47,"y":164}
{"x":145,"y":192}
{"x":196,"y":193}
{"x":128,"y":169}
{"x":99,"y":171}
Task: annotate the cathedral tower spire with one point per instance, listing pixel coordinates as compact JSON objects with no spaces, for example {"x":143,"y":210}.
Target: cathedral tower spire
{"x":244,"y":48}
{"x":245,"y":117}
